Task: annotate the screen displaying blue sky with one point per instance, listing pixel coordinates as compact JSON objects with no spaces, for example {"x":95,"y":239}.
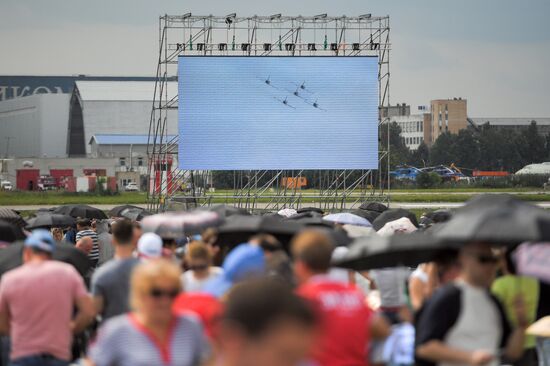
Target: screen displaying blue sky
{"x":239,"y":113}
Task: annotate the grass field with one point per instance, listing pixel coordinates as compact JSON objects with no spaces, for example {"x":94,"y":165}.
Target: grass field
{"x":62,"y":198}
{"x":307,"y":196}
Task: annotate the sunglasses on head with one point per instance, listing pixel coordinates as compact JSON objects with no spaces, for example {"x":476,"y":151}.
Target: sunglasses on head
{"x":486,"y":259}
{"x":158,"y":293}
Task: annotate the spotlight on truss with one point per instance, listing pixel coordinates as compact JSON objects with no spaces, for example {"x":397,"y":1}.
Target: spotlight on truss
{"x":320,"y":16}
{"x":365,"y":16}
{"x":275,"y":16}
{"x":186,"y":15}
{"x":230,"y":18}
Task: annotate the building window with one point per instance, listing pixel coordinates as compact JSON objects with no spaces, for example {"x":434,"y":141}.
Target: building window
{"x":122,"y":161}
{"x":140,"y":162}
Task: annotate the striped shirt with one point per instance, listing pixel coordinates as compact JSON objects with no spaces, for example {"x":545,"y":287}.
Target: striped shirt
{"x":123,"y":341}
{"x":94,"y":254}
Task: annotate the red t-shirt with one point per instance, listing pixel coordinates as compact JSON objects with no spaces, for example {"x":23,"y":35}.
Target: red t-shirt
{"x":345,"y":317}
{"x":207,"y":307}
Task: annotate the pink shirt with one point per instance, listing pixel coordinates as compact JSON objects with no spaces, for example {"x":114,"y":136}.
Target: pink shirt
{"x":39,"y":298}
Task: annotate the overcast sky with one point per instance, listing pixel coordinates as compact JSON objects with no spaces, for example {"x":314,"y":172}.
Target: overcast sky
{"x":495,"y":53}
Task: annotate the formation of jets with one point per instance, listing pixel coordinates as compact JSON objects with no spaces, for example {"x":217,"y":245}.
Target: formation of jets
{"x":301,"y":92}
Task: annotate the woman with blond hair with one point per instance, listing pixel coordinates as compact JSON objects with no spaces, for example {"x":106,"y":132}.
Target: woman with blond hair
{"x":151,"y":334}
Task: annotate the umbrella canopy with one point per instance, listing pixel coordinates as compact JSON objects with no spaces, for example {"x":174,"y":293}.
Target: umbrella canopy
{"x":310,"y":218}
{"x":135,"y":214}
{"x":51,"y":220}
{"x":238,"y":229}
{"x":10,"y":232}
{"x":12,"y":216}
{"x":83,"y":211}
{"x":499,"y":219}
{"x":225,"y":210}
{"x":369,"y":215}
{"x":393,"y":214}
{"x":347,"y":218}
{"x":117,"y":210}
{"x":12,"y":257}
{"x":174,"y":225}
{"x":47,"y":211}
{"x":373,"y":206}
{"x":376,"y":251}
{"x":311,"y":209}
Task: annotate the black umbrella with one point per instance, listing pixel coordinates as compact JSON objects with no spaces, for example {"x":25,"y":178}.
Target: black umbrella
{"x":226,"y":210}
{"x":134,"y":214}
{"x":373,"y":206}
{"x":51,"y":220}
{"x":366,"y":214}
{"x":117,"y":210}
{"x":45,"y":211}
{"x":10,"y":232}
{"x":393,"y":214}
{"x":500,"y":219}
{"x":83,"y":211}
{"x":393,"y":251}
{"x":12,"y":257}
{"x":310,"y":209}
{"x":238,"y":229}
{"x":12,"y":216}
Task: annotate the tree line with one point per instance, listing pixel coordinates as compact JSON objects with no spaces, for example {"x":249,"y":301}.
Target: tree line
{"x":485,"y":148}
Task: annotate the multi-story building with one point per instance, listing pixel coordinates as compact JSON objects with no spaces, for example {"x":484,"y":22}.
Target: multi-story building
{"x":516,"y":124}
{"x":412,"y":129}
{"x":395,"y":110}
{"x":447,"y":115}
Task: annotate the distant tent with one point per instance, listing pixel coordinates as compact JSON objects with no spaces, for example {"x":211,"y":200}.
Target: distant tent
{"x":542,"y":168}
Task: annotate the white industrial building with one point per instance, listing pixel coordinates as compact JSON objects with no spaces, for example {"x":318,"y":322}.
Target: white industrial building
{"x":34,"y":126}
{"x":412,"y":129}
{"x":112,"y":108}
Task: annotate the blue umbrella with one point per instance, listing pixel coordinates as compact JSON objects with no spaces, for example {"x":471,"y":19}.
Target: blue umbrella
{"x":346,"y":218}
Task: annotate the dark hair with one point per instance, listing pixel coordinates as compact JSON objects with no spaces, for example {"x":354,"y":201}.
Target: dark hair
{"x":41,"y":252}
{"x":314,"y":249}
{"x":123,"y":231}
{"x":83,"y":222}
{"x":255,"y":306}
{"x":267,"y":242}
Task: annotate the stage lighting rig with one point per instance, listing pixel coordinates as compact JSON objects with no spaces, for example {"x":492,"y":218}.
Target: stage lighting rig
{"x":275,"y":16}
{"x":222,"y":46}
{"x":356,"y":46}
{"x":320,"y":16}
{"x":229,"y":19}
{"x":245,"y":46}
{"x":365,"y":16}
{"x":290,"y":46}
{"x":311,"y":47}
{"x":334,"y":46}
{"x":200,"y":46}
{"x":267,"y":46}
{"x":186,"y":15}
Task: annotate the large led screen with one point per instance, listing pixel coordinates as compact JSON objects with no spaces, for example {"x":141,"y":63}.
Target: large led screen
{"x":241,"y":113}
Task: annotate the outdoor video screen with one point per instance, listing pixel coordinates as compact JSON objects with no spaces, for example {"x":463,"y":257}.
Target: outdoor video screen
{"x":278,"y":113}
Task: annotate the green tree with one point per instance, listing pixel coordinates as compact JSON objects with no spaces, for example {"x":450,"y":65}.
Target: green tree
{"x":443,"y":149}
{"x":532,"y":145}
{"x":420,"y":157}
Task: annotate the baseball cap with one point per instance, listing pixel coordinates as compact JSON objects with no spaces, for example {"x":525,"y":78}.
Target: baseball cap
{"x":150,"y":246}
{"x":41,"y":239}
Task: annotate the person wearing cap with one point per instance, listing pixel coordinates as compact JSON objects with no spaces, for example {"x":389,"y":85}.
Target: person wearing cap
{"x":111,"y":282}
{"x":149,"y":246}
{"x":37,"y":301}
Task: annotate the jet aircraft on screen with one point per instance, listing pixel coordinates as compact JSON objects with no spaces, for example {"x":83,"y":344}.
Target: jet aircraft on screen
{"x":285,"y":102}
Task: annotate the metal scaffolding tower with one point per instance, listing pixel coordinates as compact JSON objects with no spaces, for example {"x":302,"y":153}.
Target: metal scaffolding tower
{"x":275,"y":35}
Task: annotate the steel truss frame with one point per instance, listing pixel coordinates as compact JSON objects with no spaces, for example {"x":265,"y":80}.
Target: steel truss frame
{"x":275,"y":35}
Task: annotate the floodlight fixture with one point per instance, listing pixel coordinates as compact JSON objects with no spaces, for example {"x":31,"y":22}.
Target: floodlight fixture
{"x":311,"y":47}
{"x":356,"y":46}
{"x":334,"y":46}
{"x":267,"y":46}
{"x":275,"y":16}
{"x":290,"y":46}
{"x":320,"y":16}
{"x":222,"y":46}
{"x":186,"y":15}
{"x":245,"y":46}
{"x":365,"y":16}
{"x":230,"y":18}
{"x":200,"y":46}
